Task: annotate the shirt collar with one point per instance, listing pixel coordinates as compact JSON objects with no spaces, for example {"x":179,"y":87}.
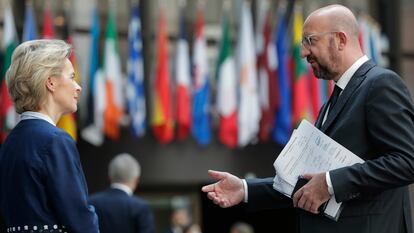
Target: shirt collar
{"x":344,"y":79}
{"x":122,"y":187}
{"x":36,"y":115}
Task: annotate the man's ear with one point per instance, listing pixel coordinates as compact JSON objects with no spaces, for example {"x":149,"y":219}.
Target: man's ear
{"x":51,"y":84}
{"x":343,"y":40}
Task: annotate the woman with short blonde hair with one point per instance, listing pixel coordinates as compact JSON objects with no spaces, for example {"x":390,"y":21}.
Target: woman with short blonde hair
{"x":43,"y":188}
{"x":32,"y":64}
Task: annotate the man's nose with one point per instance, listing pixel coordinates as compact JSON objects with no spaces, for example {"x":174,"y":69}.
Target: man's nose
{"x":304,"y":52}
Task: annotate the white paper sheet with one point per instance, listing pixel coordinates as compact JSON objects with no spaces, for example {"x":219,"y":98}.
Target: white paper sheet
{"x":310,"y":151}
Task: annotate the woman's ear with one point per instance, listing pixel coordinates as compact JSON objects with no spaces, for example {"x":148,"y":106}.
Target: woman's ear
{"x":51,"y":84}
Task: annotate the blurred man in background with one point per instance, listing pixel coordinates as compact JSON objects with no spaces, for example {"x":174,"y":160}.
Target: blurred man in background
{"x":118,"y":210}
{"x":180,"y":220}
{"x":241,"y":227}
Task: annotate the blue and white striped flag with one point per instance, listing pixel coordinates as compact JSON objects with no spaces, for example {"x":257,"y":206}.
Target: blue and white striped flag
{"x":135,"y":83}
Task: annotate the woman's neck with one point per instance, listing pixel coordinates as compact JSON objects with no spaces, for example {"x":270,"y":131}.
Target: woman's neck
{"x":51,"y":113}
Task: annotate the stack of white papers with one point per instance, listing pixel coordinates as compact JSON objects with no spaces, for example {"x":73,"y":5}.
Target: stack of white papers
{"x":310,"y":151}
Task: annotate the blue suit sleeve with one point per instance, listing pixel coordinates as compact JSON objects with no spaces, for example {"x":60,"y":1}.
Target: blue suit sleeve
{"x":262,"y":196}
{"x":66,"y":186}
{"x":145,"y":220}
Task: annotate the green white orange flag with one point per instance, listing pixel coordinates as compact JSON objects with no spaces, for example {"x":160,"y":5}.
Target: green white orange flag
{"x":113,"y":81}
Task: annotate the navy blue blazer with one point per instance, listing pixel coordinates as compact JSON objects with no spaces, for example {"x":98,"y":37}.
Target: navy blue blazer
{"x":373,"y":118}
{"x":118,"y":212}
{"x":42,"y":185}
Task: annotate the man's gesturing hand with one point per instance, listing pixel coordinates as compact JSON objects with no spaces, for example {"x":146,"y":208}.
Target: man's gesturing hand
{"x":227,"y":191}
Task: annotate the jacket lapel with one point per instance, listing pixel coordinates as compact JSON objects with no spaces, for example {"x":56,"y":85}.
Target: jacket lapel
{"x":353,"y":84}
{"x":321,"y":114}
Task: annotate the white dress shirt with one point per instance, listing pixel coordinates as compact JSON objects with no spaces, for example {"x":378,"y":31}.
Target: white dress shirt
{"x":36,"y":115}
{"x":342,"y":83}
{"x":122,"y":187}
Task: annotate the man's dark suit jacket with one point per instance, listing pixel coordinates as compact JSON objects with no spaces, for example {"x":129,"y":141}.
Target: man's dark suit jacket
{"x":118,"y":212}
{"x":42,"y":186}
{"x":374,"y":119}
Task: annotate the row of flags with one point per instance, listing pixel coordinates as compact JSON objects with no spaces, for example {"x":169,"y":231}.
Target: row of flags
{"x":263,"y":88}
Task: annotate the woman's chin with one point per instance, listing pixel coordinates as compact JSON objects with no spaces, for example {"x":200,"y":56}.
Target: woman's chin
{"x":71,"y":110}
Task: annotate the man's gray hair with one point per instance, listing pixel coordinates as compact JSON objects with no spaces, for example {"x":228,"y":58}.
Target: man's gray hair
{"x":242,"y":227}
{"x":123,"y":168}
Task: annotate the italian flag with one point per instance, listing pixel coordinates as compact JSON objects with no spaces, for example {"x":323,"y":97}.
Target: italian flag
{"x":227,"y":89}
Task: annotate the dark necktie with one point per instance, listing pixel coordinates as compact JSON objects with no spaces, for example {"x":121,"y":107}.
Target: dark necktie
{"x":334,"y":97}
{"x":331,"y":102}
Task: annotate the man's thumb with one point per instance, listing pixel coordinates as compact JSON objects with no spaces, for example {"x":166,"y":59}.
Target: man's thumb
{"x":217,"y":174}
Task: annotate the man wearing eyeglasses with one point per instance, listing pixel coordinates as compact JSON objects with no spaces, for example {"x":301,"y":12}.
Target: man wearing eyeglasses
{"x":370,"y":113}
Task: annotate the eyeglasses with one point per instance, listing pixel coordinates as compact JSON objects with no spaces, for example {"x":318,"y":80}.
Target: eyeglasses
{"x":307,"y":41}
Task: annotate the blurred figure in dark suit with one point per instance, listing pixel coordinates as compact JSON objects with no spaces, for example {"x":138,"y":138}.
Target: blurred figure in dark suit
{"x":241,"y":227}
{"x":180,"y":220}
{"x":193,"y":228}
{"x":117,"y":208}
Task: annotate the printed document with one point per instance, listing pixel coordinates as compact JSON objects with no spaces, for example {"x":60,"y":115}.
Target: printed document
{"x":310,"y":151}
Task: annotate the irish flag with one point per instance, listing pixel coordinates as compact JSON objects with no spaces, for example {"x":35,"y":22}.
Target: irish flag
{"x":113,"y":81}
